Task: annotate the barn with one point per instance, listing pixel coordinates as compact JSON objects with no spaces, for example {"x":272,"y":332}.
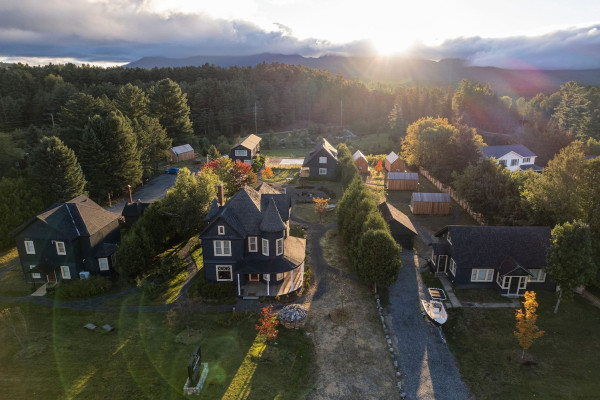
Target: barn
{"x":393,"y":163}
{"x":402,"y":181}
{"x":181,"y":153}
{"x":361,"y":162}
{"x":430,"y":203}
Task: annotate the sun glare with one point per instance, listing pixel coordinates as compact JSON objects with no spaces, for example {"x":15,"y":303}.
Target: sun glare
{"x":390,"y":45}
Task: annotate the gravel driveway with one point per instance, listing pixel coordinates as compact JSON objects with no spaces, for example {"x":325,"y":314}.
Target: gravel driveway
{"x":429,"y":367}
{"x":156,"y":189}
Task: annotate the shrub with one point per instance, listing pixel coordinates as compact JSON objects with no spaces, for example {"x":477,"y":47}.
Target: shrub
{"x":220,"y":292}
{"x":82,"y":288}
{"x":297,"y":231}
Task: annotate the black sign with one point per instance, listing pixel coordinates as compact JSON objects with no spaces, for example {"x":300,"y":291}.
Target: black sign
{"x":194,"y":366}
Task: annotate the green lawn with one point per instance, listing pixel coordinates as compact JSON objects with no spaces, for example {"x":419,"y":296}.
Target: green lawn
{"x":379,"y":143}
{"x":282,"y":175}
{"x":142,"y":360}
{"x":292,"y":152}
{"x":484,"y":295}
{"x":306,"y":212}
{"x":13,"y":282}
{"x":430,"y":280}
{"x":483,"y":343}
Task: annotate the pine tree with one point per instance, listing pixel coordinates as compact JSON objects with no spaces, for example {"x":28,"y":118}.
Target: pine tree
{"x":169,"y":105}
{"x":152,"y":141}
{"x":93,"y":164}
{"x":132,"y":101}
{"x":56,"y":169}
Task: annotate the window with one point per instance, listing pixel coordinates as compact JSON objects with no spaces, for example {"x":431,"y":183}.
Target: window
{"x":252,"y":244}
{"x":322,"y":160}
{"x":29,"y":247}
{"x":221,"y":229}
{"x":522,"y":282}
{"x":279,"y":276}
{"x":224,"y":273}
{"x":279,"y":247}
{"x":502,"y":162}
{"x":103,"y":262}
{"x":65,"y":272}
{"x":254,"y":277}
{"x":265,"y":247}
{"x":322,"y":171}
{"x":452,"y":267}
{"x":539,"y":275}
{"x":241,"y":153}
{"x":482,"y":275}
{"x":526,"y":160}
{"x":514,"y":161}
{"x":222,"y":247}
{"x":36,"y":275}
{"x":60,"y":248}
{"x":267,"y":277}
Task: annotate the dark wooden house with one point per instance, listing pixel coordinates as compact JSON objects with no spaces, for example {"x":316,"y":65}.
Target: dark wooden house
{"x":246,"y":150}
{"x":321,"y":162}
{"x":67,"y":239}
{"x":402,"y":229}
{"x":361,"y":162}
{"x":509,"y":258}
{"x":393,"y":163}
{"x":402,"y":181}
{"x":247,"y":242}
{"x":430,"y":203}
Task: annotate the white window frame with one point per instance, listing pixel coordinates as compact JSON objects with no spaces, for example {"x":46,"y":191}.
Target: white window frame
{"x":452,"y":266}
{"x":252,"y":244}
{"x":514,"y":162}
{"x":59,"y":251}
{"x":539,"y":275}
{"x":523,"y":282}
{"x":526,"y":160}
{"x":322,"y":171}
{"x":279,"y":247}
{"x":322,"y":160}
{"x":280,"y":276}
{"x":65,"y":272}
{"x":224,"y":268}
{"x":36,"y":275}
{"x":222,"y":248}
{"x":265,"y":247}
{"x":221,"y":229}
{"x":502,"y":162}
{"x":29,"y":247}
{"x":241,"y":153}
{"x":489,"y":275}
{"x":103,"y":264}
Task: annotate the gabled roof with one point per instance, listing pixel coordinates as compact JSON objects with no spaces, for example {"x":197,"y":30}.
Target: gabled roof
{"x":77,"y":217}
{"x":499,"y":151}
{"x":269,"y":188}
{"x":403,"y":176}
{"x":184,"y":148}
{"x":271,"y":221}
{"x":391,"y":157}
{"x":510,"y":267}
{"x":135,"y":209}
{"x":389,"y":212}
{"x":489,"y":246}
{"x":431,"y":197}
{"x":322,"y":144}
{"x":249,"y":141}
{"x":358,"y":155}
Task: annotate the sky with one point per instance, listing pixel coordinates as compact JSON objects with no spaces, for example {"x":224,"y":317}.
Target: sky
{"x":506,"y":33}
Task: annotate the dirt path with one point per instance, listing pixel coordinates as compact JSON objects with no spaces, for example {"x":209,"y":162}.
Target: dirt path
{"x":351,"y":356}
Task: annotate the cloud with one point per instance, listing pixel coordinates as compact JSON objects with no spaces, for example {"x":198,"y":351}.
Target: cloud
{"x":575,"y":48}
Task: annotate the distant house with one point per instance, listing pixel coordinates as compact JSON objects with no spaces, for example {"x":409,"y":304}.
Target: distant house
{"x":393,"y":163}
{"x":402,"y":229}
{"x":181,"y":153}
{"x":321,"y":162}
{"x":514,"y":156}
{"x":402,"y":181}
{"x":246,"y":150}
{"x":361,"y":162}
{"x":67,"y":239}
{"x":430,"y":203}
{"x":509,"y":258}
{"x":247,"y":242}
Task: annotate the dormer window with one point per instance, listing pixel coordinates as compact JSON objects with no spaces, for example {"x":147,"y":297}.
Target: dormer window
{"x":322,"y":160}
{"x":265,"y":247}
{"x":221,"y":229}
{"x":60,"y":248}
{"x":252,"y":244}
{"x":279,"y":246}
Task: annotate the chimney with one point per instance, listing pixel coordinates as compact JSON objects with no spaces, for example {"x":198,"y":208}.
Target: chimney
{"x":130,"y":196}
{"x":220,"y":195}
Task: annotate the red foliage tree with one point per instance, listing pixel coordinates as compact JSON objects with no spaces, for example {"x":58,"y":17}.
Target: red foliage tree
{"x":379,"y":167}
{"x":268,"y":324}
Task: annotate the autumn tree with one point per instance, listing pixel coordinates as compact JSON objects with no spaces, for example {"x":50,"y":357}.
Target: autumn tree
{"x":321,"y":204}
{"x":234,"y":175}
{"x":213,"y":153}
{"x":267,"y":326}
{"x":267,"y":172}
{"x":379,"y":166}
{"x":527,"y":330}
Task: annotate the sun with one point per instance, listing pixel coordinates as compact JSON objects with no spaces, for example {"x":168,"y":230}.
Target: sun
{"x":387,"y":45}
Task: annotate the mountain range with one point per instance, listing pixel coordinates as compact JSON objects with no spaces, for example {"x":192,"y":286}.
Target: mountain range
{"x":512,"y":82}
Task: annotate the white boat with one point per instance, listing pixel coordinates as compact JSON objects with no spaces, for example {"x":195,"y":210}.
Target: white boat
{"x":435,"y":311}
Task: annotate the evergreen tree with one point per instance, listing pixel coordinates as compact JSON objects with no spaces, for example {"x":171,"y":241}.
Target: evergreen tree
{"x":572,"y":113}
{"x":152,"y":141}
{"x":213,"y":153}
{"x":55,"y":168}
{"x":94,"y":164}
{"x":132,"y":101}
{"x":169,"y":105}
{"x":20,"y":199}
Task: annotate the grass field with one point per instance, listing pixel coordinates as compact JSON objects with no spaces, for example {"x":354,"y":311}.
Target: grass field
{"x":297,"y":152}
{"x":483,"y":343}
{"x":379,"y":143}
{"x":13,"y":283}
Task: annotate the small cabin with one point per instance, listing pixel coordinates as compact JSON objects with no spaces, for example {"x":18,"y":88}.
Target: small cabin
{"x":393,"y":163}
{"x":181,"y":153}
{"x":361,"y":162}
{"x":430,"y":203}
{"x":402,"y":181}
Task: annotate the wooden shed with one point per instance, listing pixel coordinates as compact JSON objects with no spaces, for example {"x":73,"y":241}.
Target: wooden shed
{"x":361,"y":162}
{"x":430,"y":203}
{"x":402,"y":181}
{"x":181,"y":153}
{"x":400,"y":225}
{"x":393,"y":163}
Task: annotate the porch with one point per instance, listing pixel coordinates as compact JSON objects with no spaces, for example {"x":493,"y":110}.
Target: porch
{"x":292,"y":281}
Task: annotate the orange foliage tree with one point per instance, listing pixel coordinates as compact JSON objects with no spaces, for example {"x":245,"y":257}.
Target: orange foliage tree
{"x":267,"y":325}
{"x":267,"y":172}
{"x":379,"y":166}
{"x":527,"y":331}
{"x":321,"y":204}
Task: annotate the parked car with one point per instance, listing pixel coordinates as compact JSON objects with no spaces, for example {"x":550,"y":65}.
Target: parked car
{"x":172,"y":171}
